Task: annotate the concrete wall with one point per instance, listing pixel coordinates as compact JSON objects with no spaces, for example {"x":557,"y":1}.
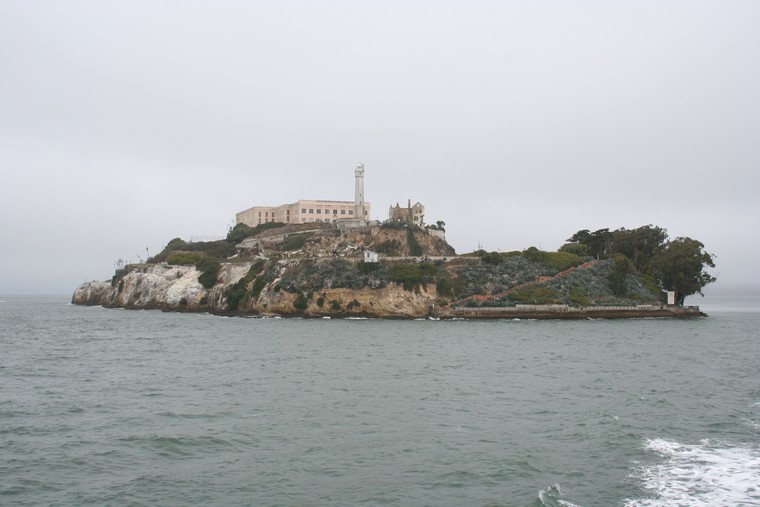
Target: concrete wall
{"x":302,"y":211}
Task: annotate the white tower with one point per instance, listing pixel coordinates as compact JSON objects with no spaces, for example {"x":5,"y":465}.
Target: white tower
{"x":359,"y":194}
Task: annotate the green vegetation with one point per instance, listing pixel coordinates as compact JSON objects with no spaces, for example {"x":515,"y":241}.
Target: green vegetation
{"x":242,"y":231}
{"x":209,"y":268}
{"x":621,"y":266}
{"x":678,"y":265}
{"x":440,"y":225}
{"x":558,"y":261}
{"x":238,"y":293}
{"x":183,"y":258}
{"x":577,"y":297}
{"x":366,"y":268}
{"x":393,"y":225}
{"x":258,"y":286}
{"x":493,"y":258}
{"x":535,"y":295}
{"x":300,"y":303}
{"x":316,"y":275}
{"x":415,"y":250}
{"x":296,"y":241}
{"x":412,"y":275}
{"x":561,"y":260}
{"x":631,"y":267}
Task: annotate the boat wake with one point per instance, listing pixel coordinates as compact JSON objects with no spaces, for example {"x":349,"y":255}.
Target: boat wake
{"x":706,"y":474}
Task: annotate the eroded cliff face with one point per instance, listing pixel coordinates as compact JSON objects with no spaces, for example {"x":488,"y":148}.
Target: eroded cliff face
{"x":176,"y":288}
{"x":147,"y":286}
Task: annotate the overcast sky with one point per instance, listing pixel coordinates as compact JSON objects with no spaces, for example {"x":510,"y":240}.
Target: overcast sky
{"x":124,"y":124}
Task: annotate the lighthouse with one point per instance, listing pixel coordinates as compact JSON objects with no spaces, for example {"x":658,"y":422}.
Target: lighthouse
{"x":359,"y":193}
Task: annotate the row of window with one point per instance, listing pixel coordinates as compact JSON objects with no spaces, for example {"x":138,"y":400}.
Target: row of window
{"x":327,"y":211}
{"x":303,"y":211}
{"x":319,"y":220}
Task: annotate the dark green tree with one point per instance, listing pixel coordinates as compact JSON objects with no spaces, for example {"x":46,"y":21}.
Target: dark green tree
{"x":640,"y":245}
{"x":680,"y":267}
{"x":239,"y":233}
{"x":599,"y":242}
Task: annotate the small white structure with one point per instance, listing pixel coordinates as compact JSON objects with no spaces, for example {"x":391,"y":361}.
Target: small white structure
{"x":671,"y":297}
{"x":370,"y":256}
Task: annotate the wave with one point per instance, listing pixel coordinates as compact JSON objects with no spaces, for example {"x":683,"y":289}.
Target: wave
{"x":552,"y":497}
{"x":706,"y":474}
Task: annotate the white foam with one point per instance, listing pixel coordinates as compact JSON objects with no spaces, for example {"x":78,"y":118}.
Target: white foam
{"x":551,"y":496}
{"x":700,"y":475}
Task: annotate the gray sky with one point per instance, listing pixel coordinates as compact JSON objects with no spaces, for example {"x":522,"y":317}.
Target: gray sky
{"x":126,"y":124}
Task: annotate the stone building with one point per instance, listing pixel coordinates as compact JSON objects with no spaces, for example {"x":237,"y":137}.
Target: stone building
{"x":301,"y":211}
{"x":308,"y":210}
{"x":411,"y":214}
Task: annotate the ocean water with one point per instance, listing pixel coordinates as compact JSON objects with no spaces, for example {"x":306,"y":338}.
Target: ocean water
{"x":116,"y":407}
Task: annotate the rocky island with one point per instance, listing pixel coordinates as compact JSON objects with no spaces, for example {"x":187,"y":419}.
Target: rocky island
{"x":399,"y":269}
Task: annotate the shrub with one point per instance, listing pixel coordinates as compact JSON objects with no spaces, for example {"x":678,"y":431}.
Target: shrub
{"x":578,"y":249}
{"x":300,"y":303}
{"x":239,"y":233}
{"x":366,"y":268}
{"x":296,"y":241}
{"x":533,"y":254}
{"x":412,"y":275}
{"x":334,"y":304}
{"x":393,"y":225}
{"x":406,"y":274}
{"x":258,"y":286}
{"x":491,"y":258}
{"x":561,"y":260}
{"x":415,"y":250}
{"x":320,"y":302}
{"x":617,"y":278}
{"x":444,"y":285}
{"x":183,"y":258}
{"x":209,"y":268}
{"x":175,"y":244}
{"x":578,"y":298}
{"x":535,"y":294}
{"x":235,"y":295}
{"x":242,"y":231}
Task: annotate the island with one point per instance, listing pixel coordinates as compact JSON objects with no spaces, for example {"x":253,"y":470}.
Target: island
{"x":402,"y":268}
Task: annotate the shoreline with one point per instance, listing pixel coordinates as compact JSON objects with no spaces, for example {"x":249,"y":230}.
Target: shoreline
{"x":531,"y":312}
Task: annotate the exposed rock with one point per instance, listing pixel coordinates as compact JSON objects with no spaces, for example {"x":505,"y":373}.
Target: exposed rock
{"x":316,"y":270}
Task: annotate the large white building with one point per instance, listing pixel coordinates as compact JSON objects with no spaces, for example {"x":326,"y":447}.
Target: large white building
{"x":301,"y":211}
{"x":309,"y":210}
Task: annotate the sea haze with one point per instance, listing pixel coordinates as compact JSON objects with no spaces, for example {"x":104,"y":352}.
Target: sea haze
{"x":115,"y":407}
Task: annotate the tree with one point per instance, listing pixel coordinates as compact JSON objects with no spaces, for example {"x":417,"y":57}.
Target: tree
{"x":680,"y":267}
{"x":597,"y":242}
{"x":639,"y":245}
{"x":578,"y":249}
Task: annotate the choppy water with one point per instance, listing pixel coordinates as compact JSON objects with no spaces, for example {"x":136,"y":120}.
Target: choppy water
{"x":114,"y":407}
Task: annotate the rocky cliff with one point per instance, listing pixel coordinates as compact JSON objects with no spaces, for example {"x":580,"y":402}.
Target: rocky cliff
{"x":319,"y":270}
{"x":176,"y":288}
{"x":304,"y":269}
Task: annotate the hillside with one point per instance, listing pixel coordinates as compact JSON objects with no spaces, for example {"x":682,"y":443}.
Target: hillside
{"x":319,"y":270}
